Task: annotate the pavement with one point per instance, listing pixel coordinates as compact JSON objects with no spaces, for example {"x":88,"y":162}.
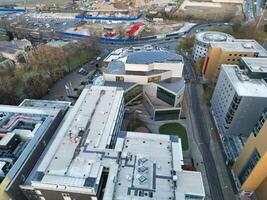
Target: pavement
{"x":207,"y":152}
{"x":58,"y":91}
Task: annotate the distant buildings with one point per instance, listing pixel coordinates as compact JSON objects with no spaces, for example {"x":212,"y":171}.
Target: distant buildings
{"x":203,"y":39}
{"x":249,"y":167}
{"x":229,"y":52}
{"x":91,"y":158}
{"x":15,"y":50}
{"x":149,"y":72}
{"x":25,"y":130}
{"x":240,"y":96}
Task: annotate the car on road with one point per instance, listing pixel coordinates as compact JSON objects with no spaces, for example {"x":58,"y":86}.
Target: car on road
{"x":82,"y":71}
{"x":98,"y":58}
{"x":92,"y":62}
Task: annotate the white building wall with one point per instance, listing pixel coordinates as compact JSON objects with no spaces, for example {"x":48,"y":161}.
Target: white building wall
{"x":222,"y":97}
{"x":246,"y":114}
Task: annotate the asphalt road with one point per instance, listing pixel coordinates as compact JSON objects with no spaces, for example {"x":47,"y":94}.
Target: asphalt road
{"x":200,"y":131}
{"x":249,"y":10}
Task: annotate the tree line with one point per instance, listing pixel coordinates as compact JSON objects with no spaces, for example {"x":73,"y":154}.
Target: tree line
{"x":45,"y":65}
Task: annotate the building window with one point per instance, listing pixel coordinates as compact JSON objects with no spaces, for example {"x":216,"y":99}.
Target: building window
{"x":249,"y":166}
{"x":166,"y":96}
{"x":192,"y":197}
{"x":259,"y":124}
{"x":230,"y":54}
{"x":167,"y":115}
{"x":119,"y":78}
{"x":153,"y":79}
{"x":66,"y":196}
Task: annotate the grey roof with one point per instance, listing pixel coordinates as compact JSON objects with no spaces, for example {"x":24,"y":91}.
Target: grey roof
{"x":149,"y":57}
{"x":256,"y":64}
{"x":172,"y":84}
{"x":121,"y":84}
{"x":115,"y":67}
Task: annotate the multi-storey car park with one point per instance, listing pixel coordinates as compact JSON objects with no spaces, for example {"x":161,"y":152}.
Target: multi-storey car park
{"x":152,"y":73}
{"x":90,"y":158}
{"x":203,"y":39}
{"x":24,"y":132}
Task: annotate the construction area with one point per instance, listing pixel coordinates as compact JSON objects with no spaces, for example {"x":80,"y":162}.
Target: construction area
{"x":210,"y":9}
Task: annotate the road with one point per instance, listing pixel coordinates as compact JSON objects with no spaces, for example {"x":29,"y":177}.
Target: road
{"x":249,"y":10}
{"x":198,"y":114}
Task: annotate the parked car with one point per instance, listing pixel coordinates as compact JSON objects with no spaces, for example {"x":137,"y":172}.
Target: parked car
{"x":83,"y":71}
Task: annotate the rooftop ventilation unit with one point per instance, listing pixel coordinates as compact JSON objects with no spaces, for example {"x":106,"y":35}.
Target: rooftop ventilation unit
{"x":248,"y":45}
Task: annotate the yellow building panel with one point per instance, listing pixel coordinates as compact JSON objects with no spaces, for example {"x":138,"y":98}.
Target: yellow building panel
{"x":3,"y":185}
{"x":257,"y":175}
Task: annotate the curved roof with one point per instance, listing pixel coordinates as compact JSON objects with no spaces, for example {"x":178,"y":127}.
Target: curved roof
{"x":115,"y":67}
{"x":149,"y":57}
{"x":213,"y":36}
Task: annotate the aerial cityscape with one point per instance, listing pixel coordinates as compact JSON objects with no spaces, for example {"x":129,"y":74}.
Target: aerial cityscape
{"x":133,"y":99}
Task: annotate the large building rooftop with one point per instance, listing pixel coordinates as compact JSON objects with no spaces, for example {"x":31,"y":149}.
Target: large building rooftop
{"x":213,"y":36}
{"x":155,"y":176}
{"x":23,"y":129}
{"x":244,"y":85}
{"x":72,"y":161}
{"x":258,"y":65}
{"x":240,"y":45}
{"x":80,"y":156}
{"x":149,"y":57}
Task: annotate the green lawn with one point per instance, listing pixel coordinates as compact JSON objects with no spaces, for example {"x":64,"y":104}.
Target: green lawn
{"x":175,"y":129}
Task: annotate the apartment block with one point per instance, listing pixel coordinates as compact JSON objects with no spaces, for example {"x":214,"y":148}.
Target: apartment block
{"x":249,"y":167}
{"x":229,"y":53}
{"x":25,"y":130}
{"x":238,"y":100}
{"x":151,"y":73}
{"x":90,"y":158}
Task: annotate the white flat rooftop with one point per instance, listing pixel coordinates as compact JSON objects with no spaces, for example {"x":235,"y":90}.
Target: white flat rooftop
{"x":241,"y":45}
{"x":256,"y":64}
{"x":247,"y":86}
{"x":147,"y":170}
{"x":73,"y":155}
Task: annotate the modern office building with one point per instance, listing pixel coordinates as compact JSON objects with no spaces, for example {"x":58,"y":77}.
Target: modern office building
{"x":150,"y":72}
{"x":249,"y":167}
{"x":25,"y":131}
{"x":203,"y":39}
{"x":90,"y":158}
{"x":238,"y":100}
{"x":229,"y":53}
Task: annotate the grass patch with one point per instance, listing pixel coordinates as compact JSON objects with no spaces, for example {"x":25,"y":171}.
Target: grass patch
{"x":175,"y":129}
{"x":3,"y":38}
